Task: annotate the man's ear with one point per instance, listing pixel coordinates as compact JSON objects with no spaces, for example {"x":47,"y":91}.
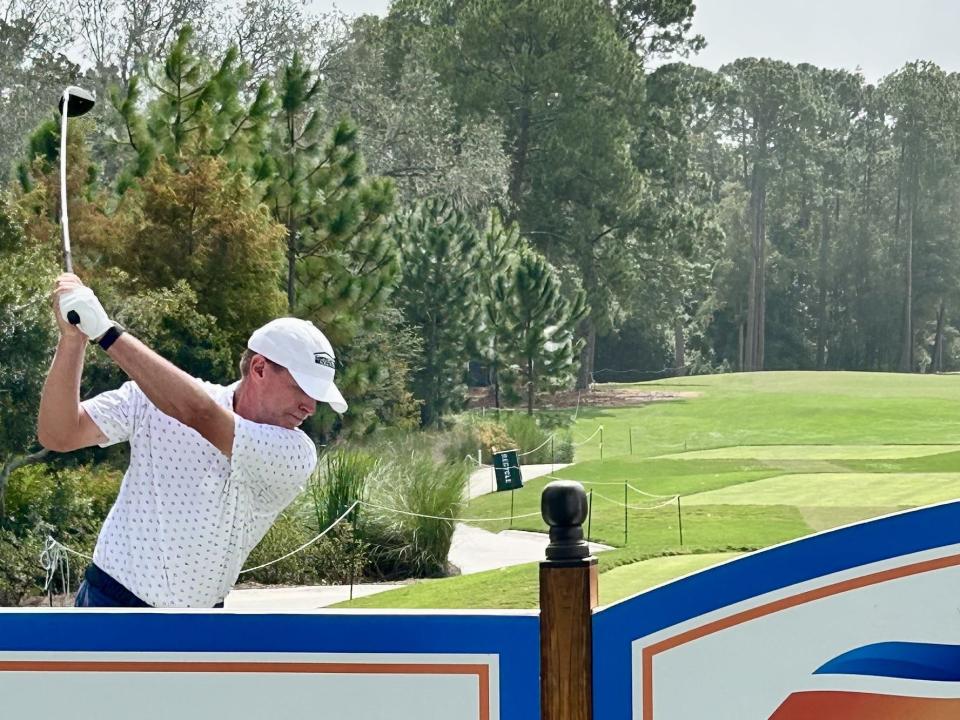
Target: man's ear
{"x":258,"y":365}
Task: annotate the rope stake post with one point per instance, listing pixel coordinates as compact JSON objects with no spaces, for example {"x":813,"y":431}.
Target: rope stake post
{"x":631,"y":441}
{"x":589,"y":513}
{"x":626,"y":507}
{"x":680,"y":520}
{"x":568,"y":594}
{"x":601,"y":443}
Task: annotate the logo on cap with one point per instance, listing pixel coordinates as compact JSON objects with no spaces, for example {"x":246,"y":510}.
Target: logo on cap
{"x":325,"y":359}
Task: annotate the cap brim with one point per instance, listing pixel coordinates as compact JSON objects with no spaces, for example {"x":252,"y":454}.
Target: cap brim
{"x":321,"y":391}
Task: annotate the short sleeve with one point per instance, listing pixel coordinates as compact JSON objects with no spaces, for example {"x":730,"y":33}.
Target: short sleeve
{"x":115,"y":412}
{"x":274,"y":462}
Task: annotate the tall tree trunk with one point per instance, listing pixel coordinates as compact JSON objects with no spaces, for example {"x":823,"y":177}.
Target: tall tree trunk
{"x":585,"y":375}
{"x":291,"y":267}
{"x":906,"y":349}
{"x":755,"y":300}
{"x":822,"y":299}
{"x":531,"y":387}
{"x":938,"y":338}
{"x":519,"y":159}
{"x":679,"y":347}
{"x":762,"y":281}
{"x":741,"y":330}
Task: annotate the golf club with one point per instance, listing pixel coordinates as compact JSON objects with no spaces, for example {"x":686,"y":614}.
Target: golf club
{"x":74,"y":102}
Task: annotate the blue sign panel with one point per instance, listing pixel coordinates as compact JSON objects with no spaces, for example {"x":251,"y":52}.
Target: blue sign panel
{"x":836,"y":625}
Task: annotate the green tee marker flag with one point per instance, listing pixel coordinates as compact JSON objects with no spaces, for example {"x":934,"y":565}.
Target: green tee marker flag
{"x":506,"y":467}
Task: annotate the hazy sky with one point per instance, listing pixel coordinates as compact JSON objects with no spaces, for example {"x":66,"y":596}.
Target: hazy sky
{"x":878,"y":36}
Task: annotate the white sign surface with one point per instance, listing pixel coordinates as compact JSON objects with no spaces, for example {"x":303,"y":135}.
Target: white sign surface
{"x":744,"y":661}
{"x":274,"y":686}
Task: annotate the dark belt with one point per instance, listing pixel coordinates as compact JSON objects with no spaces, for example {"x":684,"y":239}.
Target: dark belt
{"x":114,"y":590}
{"x":111,"y":588}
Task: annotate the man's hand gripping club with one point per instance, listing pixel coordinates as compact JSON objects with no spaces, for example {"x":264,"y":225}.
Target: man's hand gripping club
{"x":79,"y":306}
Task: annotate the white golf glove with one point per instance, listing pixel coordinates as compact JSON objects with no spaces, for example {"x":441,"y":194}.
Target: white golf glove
{"x":94,"y":321}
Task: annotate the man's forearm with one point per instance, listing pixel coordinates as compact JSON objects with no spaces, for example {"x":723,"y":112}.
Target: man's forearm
{"x":59,"y":415}
{"x":168,"y":387}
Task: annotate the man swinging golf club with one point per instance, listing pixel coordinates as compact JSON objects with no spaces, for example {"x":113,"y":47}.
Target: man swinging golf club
{"x":211,"y":466}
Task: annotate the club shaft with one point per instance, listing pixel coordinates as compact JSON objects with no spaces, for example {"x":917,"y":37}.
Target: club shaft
{"x":64,"y":220}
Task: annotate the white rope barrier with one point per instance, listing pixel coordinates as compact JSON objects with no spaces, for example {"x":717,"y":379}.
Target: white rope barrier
{"x":649,"y":495}
{"x":451,"y":519}
{"x":54,"y":553}
{"x":51,"y":541}
{"x":584,"y":442}
{"x":484,"y":465}
{"x":53,"y":558}
{"x":528,"y":452}
{"x":613,"y":484}
{"x":641,"y":508}
{"x":306,"y":544}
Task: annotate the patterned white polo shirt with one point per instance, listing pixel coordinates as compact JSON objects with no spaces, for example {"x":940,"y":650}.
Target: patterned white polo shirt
{"x":187,"y":517}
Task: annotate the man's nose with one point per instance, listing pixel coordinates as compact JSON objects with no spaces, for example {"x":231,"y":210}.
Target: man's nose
{"x":308,"y":405}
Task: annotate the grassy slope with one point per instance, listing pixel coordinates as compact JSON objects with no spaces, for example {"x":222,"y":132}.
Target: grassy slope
{"x":746,"y":503}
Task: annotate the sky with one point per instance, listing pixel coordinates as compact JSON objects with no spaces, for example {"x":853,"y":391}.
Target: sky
{"x":876,"y":36}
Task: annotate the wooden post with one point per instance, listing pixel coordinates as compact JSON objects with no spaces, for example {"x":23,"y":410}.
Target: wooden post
{"x":568,"y":594}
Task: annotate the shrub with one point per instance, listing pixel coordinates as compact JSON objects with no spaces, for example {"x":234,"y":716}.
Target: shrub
{"x":470,"y":435}
{"x":532,"y":441}
{"x":72,"y":502}
{"x":405,"y":545}
{"x":339,"y":481}
{"x":20,"y":571}
{"x":563,"y":448}
{"x":326,"y":561}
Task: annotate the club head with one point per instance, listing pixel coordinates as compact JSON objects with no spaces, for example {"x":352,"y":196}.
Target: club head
{"x":79,"y":101}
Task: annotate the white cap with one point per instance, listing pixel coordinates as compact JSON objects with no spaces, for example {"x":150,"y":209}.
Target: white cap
{"x":302,"y":349}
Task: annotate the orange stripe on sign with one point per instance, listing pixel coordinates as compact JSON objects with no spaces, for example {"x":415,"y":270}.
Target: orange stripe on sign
{"x":776,"y":606}
{"x":481,"y":671}
{"x":832,"y":705}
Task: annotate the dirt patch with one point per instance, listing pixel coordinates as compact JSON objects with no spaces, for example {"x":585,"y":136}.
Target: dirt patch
{"x":57,"y":600}
{"x":596,"y":396}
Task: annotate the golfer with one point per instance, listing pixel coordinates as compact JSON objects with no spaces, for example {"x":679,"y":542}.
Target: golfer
{"x":211,"y":467}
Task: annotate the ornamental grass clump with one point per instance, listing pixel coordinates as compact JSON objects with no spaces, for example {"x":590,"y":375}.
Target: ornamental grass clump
{"x":419,"y":501}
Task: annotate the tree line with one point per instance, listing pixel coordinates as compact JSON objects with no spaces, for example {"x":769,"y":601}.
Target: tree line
{"x":521,"y":195}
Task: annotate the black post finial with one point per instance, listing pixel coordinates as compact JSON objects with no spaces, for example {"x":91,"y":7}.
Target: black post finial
{"x":563,"y":506}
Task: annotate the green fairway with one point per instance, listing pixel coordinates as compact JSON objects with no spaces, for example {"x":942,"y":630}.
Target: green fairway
{"x":627,"y":580}
{"x":815,"y":452}
{"x":756,"y":459}
{"x":837,"y":490}
{"x":780,"y":408}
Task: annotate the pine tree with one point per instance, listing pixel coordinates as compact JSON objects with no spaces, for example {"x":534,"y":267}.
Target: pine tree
{"x":333,"y":213}
{"x":340,"y":266}
{"x":196,"y":110}
{"x":501,"y":250}
{"x":543,"y":322}
{"x":438,"y":294}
